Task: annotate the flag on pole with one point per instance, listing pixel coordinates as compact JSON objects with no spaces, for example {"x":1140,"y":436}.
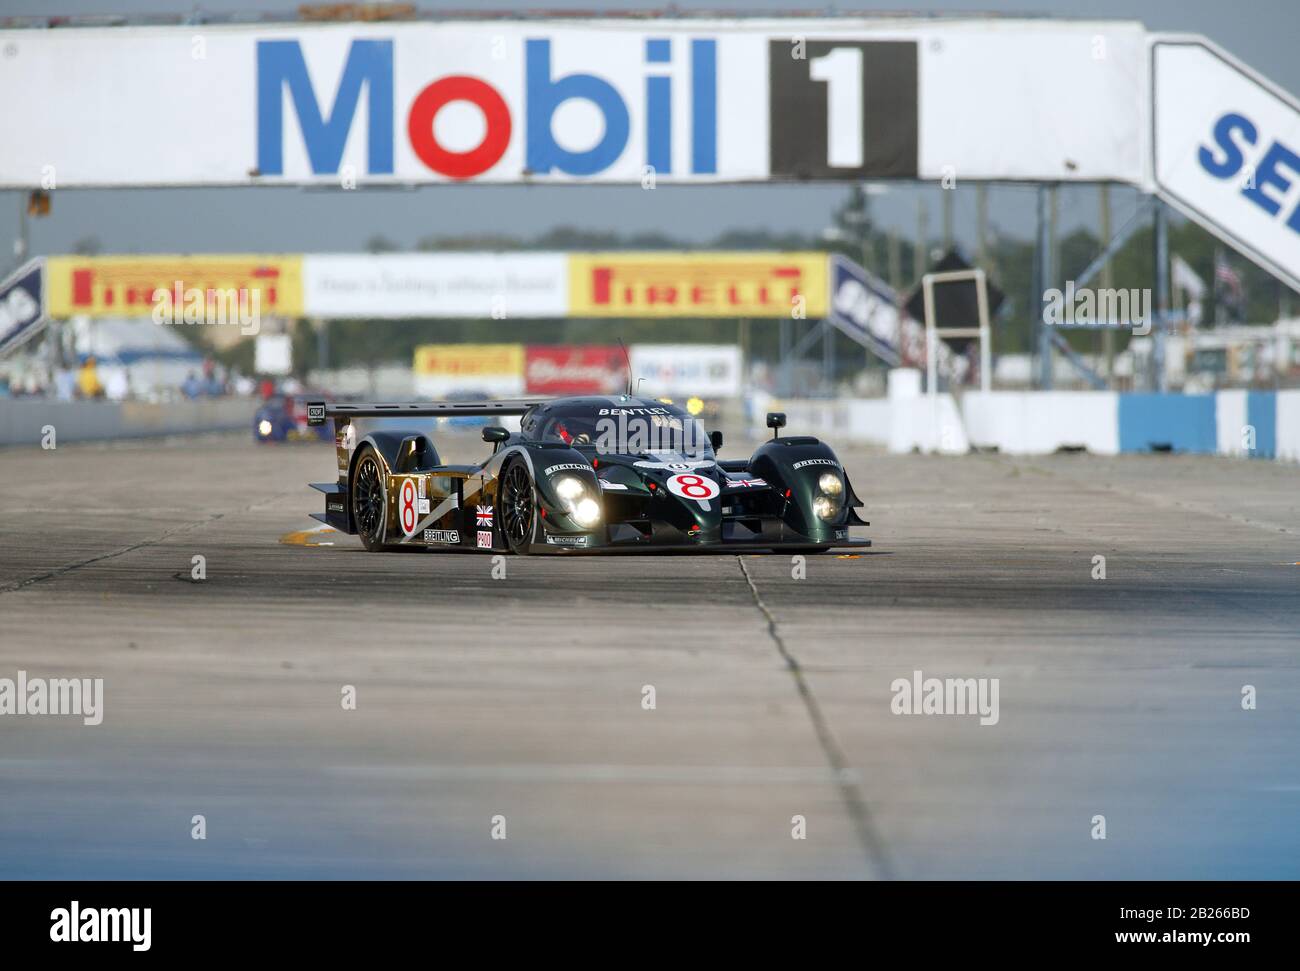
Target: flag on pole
{"x":1228,"y":288}
{"x":1188,"y":282}
{"x":1226,"y":275}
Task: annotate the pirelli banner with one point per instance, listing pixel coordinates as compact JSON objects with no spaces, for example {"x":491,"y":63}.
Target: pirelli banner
{"x":624,"y":101}
{"x":445,"y":369}
{"x":140,"y":286}
{"x":495,"y":286}
{"x":759,"y":284}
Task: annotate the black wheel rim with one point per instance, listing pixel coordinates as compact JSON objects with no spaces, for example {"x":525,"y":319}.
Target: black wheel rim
{"x":518,"y":506}
{"x":368,"y":499}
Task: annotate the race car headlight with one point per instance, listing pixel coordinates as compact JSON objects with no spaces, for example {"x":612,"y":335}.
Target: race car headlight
{"x":569,"y":488}
{"x":830,"y":484}
{"x":586,"y":512}
{"x":825,"y":507}
{"x":264,"y":428}
{"x":576,"y":499}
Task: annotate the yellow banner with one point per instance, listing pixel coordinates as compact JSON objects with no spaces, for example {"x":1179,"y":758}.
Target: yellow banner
{"x":698,"y":284}
{"x":125,"y":286}
{"x":469,"y":360}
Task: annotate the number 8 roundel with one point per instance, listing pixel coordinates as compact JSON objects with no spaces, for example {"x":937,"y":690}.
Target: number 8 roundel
{"x":407,"y":514}
{"x":688,"y":485}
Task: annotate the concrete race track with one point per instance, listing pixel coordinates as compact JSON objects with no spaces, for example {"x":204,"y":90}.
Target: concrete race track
{"x":522,"y":697}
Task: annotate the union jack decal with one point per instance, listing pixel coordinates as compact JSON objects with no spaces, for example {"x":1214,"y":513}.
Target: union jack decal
{"x":483,"y":515}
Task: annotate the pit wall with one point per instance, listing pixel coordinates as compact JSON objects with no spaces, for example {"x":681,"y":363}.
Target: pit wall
{"x":22,"y":421}
{"x":1242,"y":424}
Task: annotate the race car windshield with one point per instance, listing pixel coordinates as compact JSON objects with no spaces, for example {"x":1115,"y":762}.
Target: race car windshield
{"x":629,"y":433}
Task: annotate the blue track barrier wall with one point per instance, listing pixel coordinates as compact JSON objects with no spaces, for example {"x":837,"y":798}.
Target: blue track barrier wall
{"x":1261,"y":413}
{"x":1167,"y":422}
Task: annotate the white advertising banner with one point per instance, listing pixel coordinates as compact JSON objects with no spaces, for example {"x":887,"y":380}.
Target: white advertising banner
{"x":488,"y":285}
{"x":628,"y":101}
{"x":1227,"y":151}
{"x":706,"y":370}
{"x":1035,"y":100}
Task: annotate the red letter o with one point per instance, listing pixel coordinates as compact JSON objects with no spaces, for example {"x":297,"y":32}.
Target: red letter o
{"x":459,"y":165}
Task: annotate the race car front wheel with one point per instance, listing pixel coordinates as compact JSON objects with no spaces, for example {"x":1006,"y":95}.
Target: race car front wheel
{"x":369,"y":501}
{"x":518,"y":502}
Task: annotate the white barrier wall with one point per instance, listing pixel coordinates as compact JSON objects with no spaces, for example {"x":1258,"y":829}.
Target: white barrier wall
{"x":1288,"y":425}
{"x":22,"y":421}
{"x":927,"y":424}
{"x":920,"y":423}
{"x":859,"y":420}
{"x":901,"y":424}
{"x":868,"y":420}
{"x":1230,"y":416}
{"x":1042,"y":422}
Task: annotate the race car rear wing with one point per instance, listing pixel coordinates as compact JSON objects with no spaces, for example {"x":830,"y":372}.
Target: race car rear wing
{"x":318,"y":412}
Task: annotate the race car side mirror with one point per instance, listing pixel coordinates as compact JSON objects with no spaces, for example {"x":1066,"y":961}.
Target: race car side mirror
{"x":775,"y":420}
{"x":715,"y":439}
{"x":495,"y":434}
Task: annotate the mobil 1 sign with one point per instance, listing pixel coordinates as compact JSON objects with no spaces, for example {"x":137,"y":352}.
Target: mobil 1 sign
{"x":1227,"y":151}
{"x":631,"y":101}
{"x":843,"y":109}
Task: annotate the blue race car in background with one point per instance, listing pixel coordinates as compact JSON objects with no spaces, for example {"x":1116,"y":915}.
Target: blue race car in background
{"x":466,"y":421}
{"x":283,"y":418}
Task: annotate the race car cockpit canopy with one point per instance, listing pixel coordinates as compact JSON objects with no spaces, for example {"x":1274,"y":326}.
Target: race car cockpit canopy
{"x":621,"y":425}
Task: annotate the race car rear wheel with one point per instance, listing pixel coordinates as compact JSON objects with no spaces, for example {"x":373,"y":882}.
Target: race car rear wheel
{"x":369,"y":500}
{"x":518,"y":501}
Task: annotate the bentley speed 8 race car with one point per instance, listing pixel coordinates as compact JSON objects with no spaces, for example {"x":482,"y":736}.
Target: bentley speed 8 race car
{"x":596,"y":474}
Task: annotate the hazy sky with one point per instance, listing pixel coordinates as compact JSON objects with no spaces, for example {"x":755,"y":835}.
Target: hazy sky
{"x":1261,"y":32}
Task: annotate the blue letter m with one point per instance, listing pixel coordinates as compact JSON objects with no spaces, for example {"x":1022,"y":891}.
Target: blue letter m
{"x":280,"y":62}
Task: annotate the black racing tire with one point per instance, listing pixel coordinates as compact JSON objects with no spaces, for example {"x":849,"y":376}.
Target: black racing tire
{"x":517,"y":497}
{"x":369,"y":499}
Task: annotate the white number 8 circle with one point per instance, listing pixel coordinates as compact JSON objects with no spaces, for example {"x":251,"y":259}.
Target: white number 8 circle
{"x":406,"y":507}
{"x":691,"y":486}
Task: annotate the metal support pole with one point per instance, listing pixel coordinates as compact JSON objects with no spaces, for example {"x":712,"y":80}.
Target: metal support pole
{"x":743,"y":341}
{"x":1162,"y":296}
{"x":986,"y":332}
{"x":783,"y":338}
{"x":322,"y":329}
{"x":828,"y":356}
{"x":1042,"y":266}
{"x":982,"y":227}
{"x":20,"y":244}
{"x":895,"y":261}
{"x":1108,"y":334}
{"x":947,"y":217}
{"x":919,"y":256}
{"x":1054,"y":234}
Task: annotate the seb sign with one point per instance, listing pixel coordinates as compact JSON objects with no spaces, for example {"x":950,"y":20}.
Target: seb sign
{"x":1227,"y":151}
{"x":642,"y":103}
